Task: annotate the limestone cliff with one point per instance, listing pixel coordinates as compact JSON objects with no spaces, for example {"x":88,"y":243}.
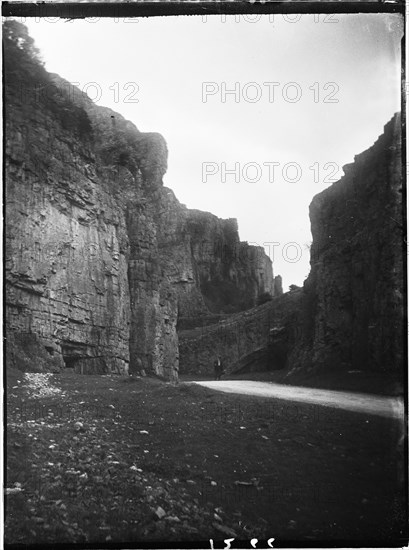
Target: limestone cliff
{"x":257,"y":339}
{"x":101,"y":258}
{"x":231,"y":274}
{"x":66,"y":243}
{"x":352,"y":307}
{"x":349,"y":315}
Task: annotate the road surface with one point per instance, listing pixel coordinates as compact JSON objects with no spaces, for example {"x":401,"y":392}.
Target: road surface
{"x":358,"y":402}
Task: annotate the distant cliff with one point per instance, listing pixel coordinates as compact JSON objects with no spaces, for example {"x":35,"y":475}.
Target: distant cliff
{"x":257,"y":339}
{"x":101,"y":258}
{"x":349,"y":315}
{"x":352,"y":311}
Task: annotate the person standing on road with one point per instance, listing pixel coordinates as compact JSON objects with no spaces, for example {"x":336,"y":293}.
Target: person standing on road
{"x":218,"y":368}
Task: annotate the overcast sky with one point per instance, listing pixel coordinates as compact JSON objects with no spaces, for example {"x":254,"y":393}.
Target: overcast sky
{"x":309,"y":93}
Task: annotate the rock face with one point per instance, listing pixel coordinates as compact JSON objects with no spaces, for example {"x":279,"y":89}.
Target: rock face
{"x":349,"y":315}
{"x":257,"y":339}
{"x":352,"y":306}
{"x":101,"y":258}
{"x":103,"y":264}
{"x":66,"y":244}
{"x":231,"y":274}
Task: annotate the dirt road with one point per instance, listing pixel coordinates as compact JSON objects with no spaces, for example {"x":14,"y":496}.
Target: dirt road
{"x":359,"y":402}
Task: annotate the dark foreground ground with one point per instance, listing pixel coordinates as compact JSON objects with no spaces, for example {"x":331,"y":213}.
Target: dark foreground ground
{"x":106,"y":459}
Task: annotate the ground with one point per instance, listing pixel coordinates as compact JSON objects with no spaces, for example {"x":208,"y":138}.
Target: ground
{"x":110,"y":458}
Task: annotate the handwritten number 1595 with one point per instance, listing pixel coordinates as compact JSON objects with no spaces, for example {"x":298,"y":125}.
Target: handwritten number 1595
{"x":253,"y":543}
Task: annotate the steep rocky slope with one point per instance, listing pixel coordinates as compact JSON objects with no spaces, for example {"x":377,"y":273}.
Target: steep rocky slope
{"x":257,"y":339}
{"x":352,"y":312}
{"x":101,"y":258}
{"x":349,"y":315}
{"x":103,"y":263}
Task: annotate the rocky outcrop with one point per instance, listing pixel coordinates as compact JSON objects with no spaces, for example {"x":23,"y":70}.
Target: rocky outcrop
{"x":101,"y":258}
{"x":66,"y":243}
{"x":231,"y":274}
{"x":257,"y":339}
{"x":103,"y":264}
{"x":349,"y":315}
{"x":352,"y":303}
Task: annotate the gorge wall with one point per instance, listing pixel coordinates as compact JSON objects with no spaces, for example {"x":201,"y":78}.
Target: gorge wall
{"x":349,"y":315}
{"x":352,"y":309}
{"x":101,"y":258}
{"x":257,"y":339}
{"x":104,"y":266}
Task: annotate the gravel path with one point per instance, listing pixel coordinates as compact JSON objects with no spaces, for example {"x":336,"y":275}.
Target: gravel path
{"x":358,"y":402}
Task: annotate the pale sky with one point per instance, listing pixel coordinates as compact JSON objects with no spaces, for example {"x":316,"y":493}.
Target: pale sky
{"x":312,"y":91}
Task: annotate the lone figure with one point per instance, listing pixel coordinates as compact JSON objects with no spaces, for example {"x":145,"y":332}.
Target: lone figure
{"x":218,"y":368}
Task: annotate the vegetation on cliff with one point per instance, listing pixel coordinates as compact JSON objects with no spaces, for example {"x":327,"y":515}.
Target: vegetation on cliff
{"x":28,"y":83}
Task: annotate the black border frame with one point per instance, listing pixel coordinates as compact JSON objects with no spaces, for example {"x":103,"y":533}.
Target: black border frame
{"x":142,"y":8}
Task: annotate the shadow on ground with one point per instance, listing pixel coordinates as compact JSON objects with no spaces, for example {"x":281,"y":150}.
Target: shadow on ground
{"x":108,"y":458}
